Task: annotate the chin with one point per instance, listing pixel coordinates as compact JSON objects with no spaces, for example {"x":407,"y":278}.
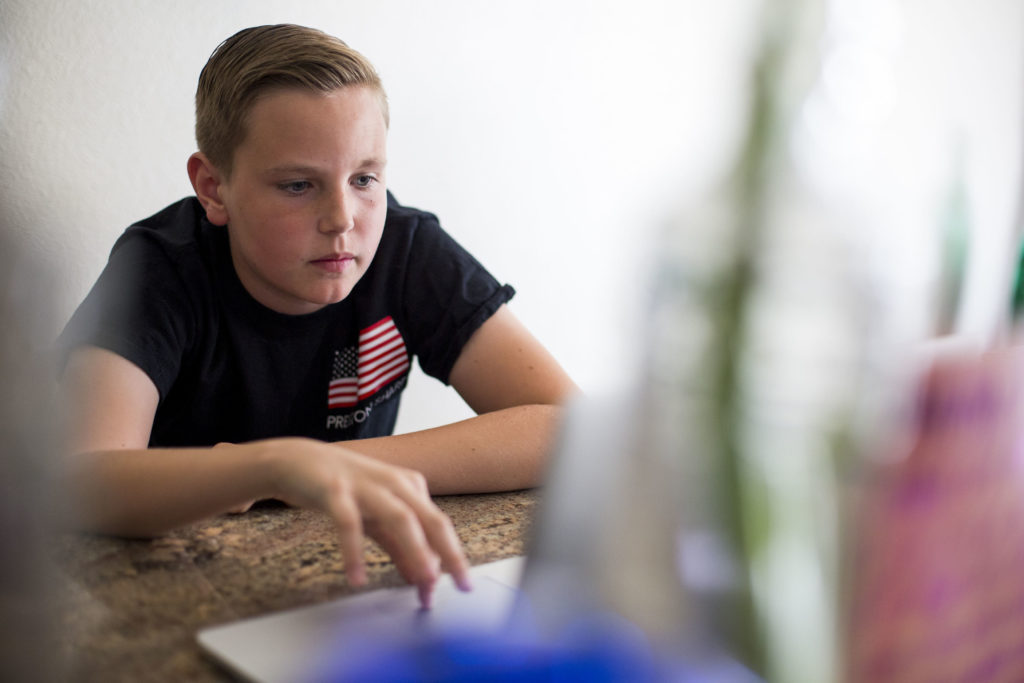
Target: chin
{"x":334,"y":297}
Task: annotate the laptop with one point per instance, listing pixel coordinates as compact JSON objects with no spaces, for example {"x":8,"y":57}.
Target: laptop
{"x":539,"y":594}
{"x":298,"y":645}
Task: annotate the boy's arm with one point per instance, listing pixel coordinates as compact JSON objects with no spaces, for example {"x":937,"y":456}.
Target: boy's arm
{"x":119,"y":486}
{"x":516,"y":386}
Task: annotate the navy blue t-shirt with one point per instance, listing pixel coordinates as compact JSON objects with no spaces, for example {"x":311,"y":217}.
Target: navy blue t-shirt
{"x":228,"y":369}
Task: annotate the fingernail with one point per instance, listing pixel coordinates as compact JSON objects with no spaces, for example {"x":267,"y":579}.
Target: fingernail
{"x":356,"y":577}
{"x":463,"y":582}
{"x":426,"y":591}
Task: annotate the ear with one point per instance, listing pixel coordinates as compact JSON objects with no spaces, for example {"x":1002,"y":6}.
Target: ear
{"x":208,"y":183}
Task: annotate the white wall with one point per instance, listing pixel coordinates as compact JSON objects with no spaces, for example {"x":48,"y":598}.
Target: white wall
{"x":552,"y":137}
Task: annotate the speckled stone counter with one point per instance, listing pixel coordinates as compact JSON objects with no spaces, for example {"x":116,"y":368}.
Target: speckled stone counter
{"x":132,"y":607}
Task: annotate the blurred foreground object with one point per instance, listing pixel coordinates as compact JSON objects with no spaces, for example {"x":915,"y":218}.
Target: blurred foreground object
{"x":726,"y":528}
{"x":762,"y":380}
{"x":28,"y":606}
{"x":940,"y":592}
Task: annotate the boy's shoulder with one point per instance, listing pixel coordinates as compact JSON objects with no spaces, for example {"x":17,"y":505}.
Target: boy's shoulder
{"x":174,"y":250}
{"x":410,"y":232}
{"x":407,"y":216}
{"x":173,"y":228}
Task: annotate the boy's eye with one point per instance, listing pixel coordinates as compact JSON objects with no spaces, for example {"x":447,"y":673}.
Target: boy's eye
{"x":295,"y":186}
{"x":365,"y":180}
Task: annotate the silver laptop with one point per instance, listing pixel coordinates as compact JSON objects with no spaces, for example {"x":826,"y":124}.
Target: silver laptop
{"x":302,"y":644}
{"x":547,"y":589}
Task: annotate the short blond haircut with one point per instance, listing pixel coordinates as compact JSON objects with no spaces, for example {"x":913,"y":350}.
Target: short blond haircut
{"x":264,"y":58}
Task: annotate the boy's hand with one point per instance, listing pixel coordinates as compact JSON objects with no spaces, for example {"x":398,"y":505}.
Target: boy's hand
{"x":391,"y":504}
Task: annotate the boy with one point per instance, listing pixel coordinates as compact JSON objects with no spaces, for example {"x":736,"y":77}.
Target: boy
{"x":252,"y":341}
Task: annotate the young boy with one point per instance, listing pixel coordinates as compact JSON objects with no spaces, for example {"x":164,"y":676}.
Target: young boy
{"x":252,"y":341}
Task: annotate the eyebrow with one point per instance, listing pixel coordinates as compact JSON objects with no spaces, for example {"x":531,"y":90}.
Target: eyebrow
{"x":300,"y":169}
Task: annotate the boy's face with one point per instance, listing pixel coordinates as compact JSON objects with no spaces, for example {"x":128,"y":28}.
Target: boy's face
{"x":306,"y":201}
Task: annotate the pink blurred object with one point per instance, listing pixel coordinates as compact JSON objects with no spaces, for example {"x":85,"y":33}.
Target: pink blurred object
{"x":939,"y":582}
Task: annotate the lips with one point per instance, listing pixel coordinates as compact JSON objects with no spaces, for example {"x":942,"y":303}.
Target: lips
{"x":334,"y":263}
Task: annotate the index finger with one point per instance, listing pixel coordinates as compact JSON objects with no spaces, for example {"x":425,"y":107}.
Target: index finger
{"x":441,"y":536}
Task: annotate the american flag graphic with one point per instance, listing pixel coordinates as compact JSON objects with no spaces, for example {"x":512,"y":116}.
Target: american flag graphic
{"x":381,"y":358}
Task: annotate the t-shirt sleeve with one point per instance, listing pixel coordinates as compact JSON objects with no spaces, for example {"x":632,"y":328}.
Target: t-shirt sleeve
{"x":448,"y":295}
{"x":138,"y":309}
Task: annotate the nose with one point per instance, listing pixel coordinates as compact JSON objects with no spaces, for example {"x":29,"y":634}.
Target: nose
{"x":338,"y":214}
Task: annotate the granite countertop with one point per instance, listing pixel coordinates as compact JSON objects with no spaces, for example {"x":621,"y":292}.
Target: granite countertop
{"x":131,"y":608}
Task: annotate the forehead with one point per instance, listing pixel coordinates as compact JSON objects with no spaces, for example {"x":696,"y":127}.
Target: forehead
{"x":290,"y":125}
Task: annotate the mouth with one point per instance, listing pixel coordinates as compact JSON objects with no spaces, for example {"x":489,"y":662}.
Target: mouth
{"x":334,"y":263}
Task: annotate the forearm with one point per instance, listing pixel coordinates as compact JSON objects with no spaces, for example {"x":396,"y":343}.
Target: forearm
{"x":151,"y":491}
{"x":502,"y":450}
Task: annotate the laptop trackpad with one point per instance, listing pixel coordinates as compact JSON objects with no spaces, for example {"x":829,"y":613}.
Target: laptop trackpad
{"x":287,"y":646}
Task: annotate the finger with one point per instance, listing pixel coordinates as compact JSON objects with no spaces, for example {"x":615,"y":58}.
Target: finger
{"x":397,"y":529}
{"x":426,"y":590}
{"x":440,"y":534}
{"x":445,"y":542}
{"x":345,"y":512}
{"x":426,"y":594}
{"x":242,"y":508}
{"x":411,"y":568}
{"x":422,"y":569}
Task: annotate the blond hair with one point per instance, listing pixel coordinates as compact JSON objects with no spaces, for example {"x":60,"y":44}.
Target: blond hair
{"x":264,"y":58}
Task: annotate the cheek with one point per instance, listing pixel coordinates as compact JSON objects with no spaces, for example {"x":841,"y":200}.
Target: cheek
{"x":280,"y":229}
{"x":374,"y":231}
{"x":272,"y":245}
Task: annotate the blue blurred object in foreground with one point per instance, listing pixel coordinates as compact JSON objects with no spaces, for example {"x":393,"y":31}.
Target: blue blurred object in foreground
{"x":600,"y":649}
